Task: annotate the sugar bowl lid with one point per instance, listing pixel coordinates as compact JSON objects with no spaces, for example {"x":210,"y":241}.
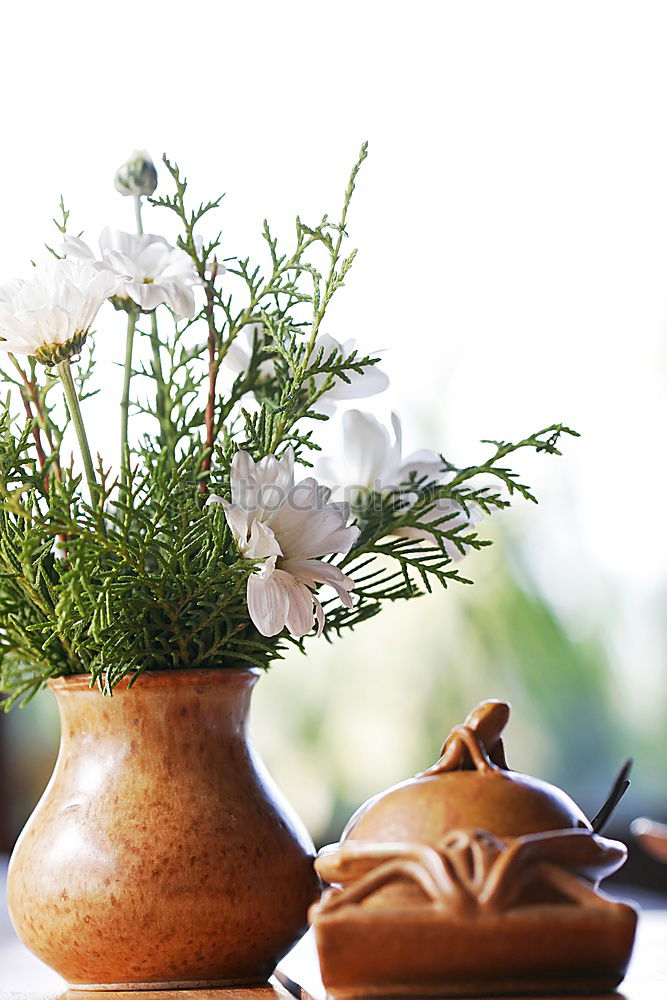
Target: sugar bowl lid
{"x":469,"y":787}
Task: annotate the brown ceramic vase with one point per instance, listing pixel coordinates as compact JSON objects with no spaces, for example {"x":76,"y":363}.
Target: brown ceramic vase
{"x":161,"y":853}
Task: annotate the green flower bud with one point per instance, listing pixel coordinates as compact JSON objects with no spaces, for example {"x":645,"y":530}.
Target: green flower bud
{"x":137,"y":176}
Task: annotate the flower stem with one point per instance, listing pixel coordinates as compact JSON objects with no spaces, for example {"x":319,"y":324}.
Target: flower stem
{"x":65,"y":373}
{"x":137,"y":214}
{"x":213,"y":365}
{"x":161,"y":399}
{"x":125,"y":401}
{"x":161,"y":391}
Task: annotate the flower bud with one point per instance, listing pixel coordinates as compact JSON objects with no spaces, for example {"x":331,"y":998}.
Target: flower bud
{"x":137,"y":176}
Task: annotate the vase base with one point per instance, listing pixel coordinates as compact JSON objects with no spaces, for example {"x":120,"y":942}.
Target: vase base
{"x":181,"y":984}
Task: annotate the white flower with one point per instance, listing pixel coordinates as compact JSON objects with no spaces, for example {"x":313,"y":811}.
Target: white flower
{"x":154,"y":271}
{"x":137,"y":176}
{"x":291,"y":527}
{"x":370,"y":382}
{"x":48,"y":316}
{"x":370,"y":461}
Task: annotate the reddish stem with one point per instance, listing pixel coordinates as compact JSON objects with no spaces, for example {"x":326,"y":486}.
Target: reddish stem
{"x":33,"y":397}
{"x":41,"y":455}
{"x":30,"y":389}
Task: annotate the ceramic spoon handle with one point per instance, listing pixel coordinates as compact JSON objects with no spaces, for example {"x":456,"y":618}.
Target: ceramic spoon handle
{"x":652,"y":836}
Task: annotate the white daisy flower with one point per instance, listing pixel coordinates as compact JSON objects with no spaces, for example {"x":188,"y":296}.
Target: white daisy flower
{"x":370,"y":382}
{"x":291,"y":527}
{"x":48,"y":315}
{"x":369,"y":461}
{"x":154,"y":271}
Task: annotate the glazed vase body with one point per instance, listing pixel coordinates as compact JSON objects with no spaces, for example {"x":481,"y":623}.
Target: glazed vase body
{"x":160,"y":852}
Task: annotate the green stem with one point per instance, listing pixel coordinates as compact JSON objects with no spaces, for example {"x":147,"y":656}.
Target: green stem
{"x":160,"y":388}
{"x":125,"y":401}
{"x":65,"y":373}
{"x":137,"y":214}
{"x":161,"y":400}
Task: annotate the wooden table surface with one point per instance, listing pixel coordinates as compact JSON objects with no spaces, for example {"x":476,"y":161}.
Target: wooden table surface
{"x":23,"y":977}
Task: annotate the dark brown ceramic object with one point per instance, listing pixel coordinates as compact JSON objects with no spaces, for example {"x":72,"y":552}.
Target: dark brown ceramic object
{"x":471,"y":879}
{"x":161,"y":852}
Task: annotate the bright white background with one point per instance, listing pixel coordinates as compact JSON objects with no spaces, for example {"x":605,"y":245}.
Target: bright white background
{"x":511,"y":220}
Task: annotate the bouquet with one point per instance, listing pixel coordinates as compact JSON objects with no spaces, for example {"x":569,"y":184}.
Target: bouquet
{"x":224,"y":534}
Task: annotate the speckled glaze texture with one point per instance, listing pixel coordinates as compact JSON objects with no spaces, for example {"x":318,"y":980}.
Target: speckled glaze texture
{"x":161,"y":852}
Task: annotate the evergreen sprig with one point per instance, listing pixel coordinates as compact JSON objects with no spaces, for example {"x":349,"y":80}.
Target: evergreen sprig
{"x":411,"y":565}
{"x":139,"y":574}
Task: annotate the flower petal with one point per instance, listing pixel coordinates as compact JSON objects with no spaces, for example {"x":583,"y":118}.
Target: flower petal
{"x":236,"y":517}
{"x":369,"y":382}
{"x":319,"y":615}
{"x":313,"y":572}
{"x":262,"y":543}
{"x":301,"y":610}
{"x":268,"y":603}
{"x":73,"y":246}
{"x":368,"y":450}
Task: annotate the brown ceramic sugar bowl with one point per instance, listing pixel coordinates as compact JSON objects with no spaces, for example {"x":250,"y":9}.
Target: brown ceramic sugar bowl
{"x":161,"y":853}
{"x":472,"y":880}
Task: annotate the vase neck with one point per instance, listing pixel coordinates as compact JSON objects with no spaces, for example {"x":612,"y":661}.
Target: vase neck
{"x":159,"y":707}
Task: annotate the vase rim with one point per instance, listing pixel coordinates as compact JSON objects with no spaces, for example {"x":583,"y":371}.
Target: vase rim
{"x":155,"y":678}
